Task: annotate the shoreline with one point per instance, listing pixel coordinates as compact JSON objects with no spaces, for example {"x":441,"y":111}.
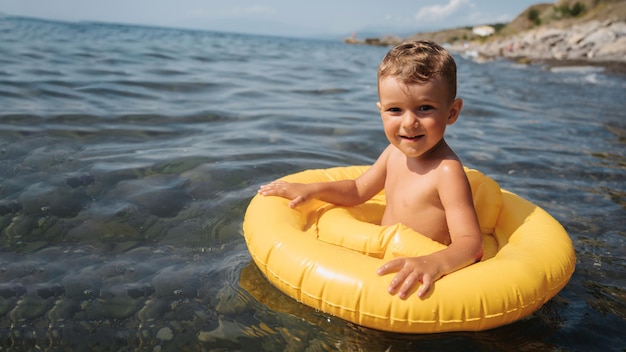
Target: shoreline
{"x":609,"y":66}
{"x":590,"y":43}
{"x":593,"y":43}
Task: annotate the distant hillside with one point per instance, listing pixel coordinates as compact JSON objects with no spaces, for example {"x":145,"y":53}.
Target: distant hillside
{"x":447,"y":36}
{"x":560,"y":14}
{"x":566,"y":33}
{"x":565,"y":13}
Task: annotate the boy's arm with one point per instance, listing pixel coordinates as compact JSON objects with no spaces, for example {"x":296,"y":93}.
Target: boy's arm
{"x":466,"y":240}
{"x":344,"y":192}
{"x":337,"y":192}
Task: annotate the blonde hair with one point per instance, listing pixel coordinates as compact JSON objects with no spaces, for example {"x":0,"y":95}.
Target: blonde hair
{"x":419,"y":62}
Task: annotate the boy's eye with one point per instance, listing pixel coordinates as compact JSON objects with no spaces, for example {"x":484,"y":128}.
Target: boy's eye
{"x":425,"y":108}
{"x":394,"y":110}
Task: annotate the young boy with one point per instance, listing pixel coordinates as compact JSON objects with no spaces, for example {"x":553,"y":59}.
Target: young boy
{"x":425,"y":185}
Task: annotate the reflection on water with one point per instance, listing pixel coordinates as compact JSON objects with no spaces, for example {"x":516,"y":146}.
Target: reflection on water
{"x":128,"y":156}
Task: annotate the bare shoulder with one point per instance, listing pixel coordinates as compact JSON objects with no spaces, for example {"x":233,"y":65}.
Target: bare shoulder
{"x":451,"y":167}
{"x":452,"y":181}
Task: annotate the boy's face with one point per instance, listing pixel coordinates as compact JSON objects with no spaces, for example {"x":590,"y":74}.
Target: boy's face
{"x":415,"y":115}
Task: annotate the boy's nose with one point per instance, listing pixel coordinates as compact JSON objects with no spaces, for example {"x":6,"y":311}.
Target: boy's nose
{"x":410,"y":120}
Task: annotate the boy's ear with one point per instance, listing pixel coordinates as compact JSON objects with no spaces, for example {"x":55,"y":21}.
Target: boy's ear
{"x":380,"y":107}
{"x":455,"y":110}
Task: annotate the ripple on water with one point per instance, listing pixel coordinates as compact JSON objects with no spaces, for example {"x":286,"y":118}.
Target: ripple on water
{"x":128,"y":156}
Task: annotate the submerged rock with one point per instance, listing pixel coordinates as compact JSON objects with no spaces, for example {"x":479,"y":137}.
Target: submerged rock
{"x":226,"y":330}
{"x":79,"y":180}
{"x":176,"y":283}
{"x":64,"y":309}
{"x":165,"y":333}
{"x":116,"y":307}
{"x":9,"y":207}
{"x":154,"y":309}
{"x":230,"y":302}
{"x":30,"y":307}
{"x":161,"y":196}
{"x":42,"y":199}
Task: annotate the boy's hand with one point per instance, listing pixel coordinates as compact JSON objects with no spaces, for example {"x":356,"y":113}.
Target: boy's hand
{"x":410,"y":271}
{"x":296,"y":192}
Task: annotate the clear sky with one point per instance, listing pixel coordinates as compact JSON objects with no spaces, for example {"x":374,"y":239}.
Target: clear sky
{"x":279,"y":17}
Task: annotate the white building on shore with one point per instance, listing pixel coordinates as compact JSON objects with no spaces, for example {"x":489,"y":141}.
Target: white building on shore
{"x":483,"y":31}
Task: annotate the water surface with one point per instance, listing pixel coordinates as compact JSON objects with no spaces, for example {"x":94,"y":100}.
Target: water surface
{"x":128,"y":156}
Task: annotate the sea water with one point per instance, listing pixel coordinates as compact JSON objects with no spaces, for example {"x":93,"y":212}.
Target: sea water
{"x":128,"y":156}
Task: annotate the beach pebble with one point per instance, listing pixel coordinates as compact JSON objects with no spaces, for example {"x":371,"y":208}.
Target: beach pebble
{"x":30,"y":270}
{"x":186,"y":233}
{"x":176,"y":283}
{"x":9,"y":207}
{"x":47,"y":290}
{"x":97,"y":230}
{"x":225,"y":330}
{"x":162,"y":203}
{"x":49,"y":157}
{"x":10,"y":290}
{"x":63,"y":309}
{"x":153,"y":309}
{"x":84,"y":285}
{"x":30,"y":307}
{"x":165,"y":333}
{"x":41,"y":199}
{"x":117,"y":307}
{"x":20,"y":227}
{"x":6,"y":305}
{"x":201,"y":182}
{"x":79,"y":180}
{"x":117,"y":268}
{"x":161,"y":196}
{"x":230,"y":302}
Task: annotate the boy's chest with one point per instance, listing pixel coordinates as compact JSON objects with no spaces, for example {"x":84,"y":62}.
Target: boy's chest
{"x":413,"y":200}
{"x":411,"y":190}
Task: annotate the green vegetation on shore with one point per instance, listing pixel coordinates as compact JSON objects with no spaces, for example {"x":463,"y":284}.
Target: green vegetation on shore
{"x":561,"y":14}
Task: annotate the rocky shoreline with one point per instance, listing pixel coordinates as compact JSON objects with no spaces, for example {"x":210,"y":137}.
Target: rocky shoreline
{"x":594,"y":43}
{"x":598,"y":43}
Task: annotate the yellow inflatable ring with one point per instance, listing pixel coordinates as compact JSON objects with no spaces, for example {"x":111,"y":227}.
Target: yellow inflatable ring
{"x":326,"y":257}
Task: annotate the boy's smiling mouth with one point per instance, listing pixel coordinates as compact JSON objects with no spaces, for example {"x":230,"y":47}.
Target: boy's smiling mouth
{"x":412,"y":138}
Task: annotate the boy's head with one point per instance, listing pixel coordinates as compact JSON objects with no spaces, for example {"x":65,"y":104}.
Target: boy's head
{"x":419,"y":62}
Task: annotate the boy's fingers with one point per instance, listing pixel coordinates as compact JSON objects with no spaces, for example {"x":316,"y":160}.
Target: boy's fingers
{"x":296,"y":201}
{"x":391,"y":266}
{"x":407,"y":284}
{"x":273,"y":188}
{"x":427,"y":281}
{"x":396,"y":282}
{"x":265,"y":188}
{"x":394,"y":265}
